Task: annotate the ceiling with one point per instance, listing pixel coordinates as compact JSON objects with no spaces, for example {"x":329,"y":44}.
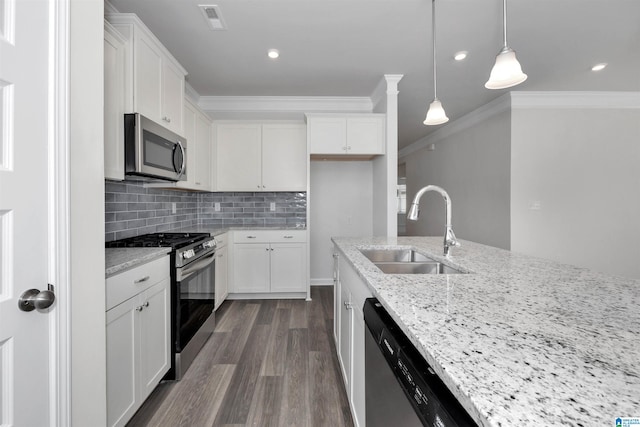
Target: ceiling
{"x":344,"y":47}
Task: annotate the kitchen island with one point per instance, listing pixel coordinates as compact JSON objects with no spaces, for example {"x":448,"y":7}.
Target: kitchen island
{"x":520,"y":341}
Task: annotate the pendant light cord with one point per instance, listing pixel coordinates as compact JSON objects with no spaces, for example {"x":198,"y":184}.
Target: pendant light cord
{"x":504,"y":22}
{"x":433,"y":30}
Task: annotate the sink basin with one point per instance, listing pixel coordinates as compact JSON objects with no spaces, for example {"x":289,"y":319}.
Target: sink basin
{"x":394,"y":255}
{"x":406,"y":261}
{"x":416,"y":268}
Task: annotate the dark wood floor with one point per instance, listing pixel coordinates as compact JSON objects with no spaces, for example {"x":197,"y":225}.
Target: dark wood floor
{"x":269,"y":363}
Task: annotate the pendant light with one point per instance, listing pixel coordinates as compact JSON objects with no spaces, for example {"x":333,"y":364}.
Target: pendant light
{"x":507,"y":71}
{"x":435,"y":114}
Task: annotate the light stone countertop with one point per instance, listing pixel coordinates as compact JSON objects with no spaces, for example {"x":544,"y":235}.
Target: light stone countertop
{"x":121,"y":259}
{"x":214,"y":231}
{"x":520,"y":341}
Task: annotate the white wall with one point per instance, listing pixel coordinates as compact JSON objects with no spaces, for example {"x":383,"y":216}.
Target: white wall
{"x":473,"y":165}
{"x":582,"y":165}
{"x":88,"y":355}
{"x":340,"y":201}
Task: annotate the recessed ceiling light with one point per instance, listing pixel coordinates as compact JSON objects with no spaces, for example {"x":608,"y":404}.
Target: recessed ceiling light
{"x":459,"y":56}
{"x":273,"y":53}
{"x":599,"y":67}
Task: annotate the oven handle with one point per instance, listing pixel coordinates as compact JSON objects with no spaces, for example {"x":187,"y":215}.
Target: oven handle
{"x":188,"y":271}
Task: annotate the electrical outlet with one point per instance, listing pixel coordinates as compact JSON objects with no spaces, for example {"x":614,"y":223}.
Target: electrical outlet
{"x":535,"y":205}
{"x":173,"y":207}
{"x":273,"y":207}
{"x":217,"y":207}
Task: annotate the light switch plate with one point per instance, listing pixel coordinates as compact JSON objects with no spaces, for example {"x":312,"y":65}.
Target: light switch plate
{"x":217,"y":207}
{"x":273,"y":206}
{"x":173,"y":207}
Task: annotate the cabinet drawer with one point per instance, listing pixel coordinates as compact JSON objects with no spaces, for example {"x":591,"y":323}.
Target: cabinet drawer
{"x":288,"y":236}
{"x":269,"y":236}
{"x":250,"y":236}
{"x":127,"y":284}
{"x":221,"y":240}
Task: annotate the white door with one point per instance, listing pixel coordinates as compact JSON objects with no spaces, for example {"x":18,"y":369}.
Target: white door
{"x":24,"y":336}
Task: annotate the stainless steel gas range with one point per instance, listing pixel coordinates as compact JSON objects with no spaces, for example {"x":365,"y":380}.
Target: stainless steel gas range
{"x":192,"y":291}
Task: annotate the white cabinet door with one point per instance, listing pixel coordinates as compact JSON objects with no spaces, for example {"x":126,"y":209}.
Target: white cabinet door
{"x":336,"y":300}
{"x":147,"y":73}
{"x":284,"y":157}
{"x":189,"y":118}
{"x":239,"y":157}
{"x":114,"y":103}
{"x":203,"y":153}
{"x":288,"y":267}
{"x":155,"y":333}
{"x":172,"y":97}
{"x":346,"y":320}
{"x":365,"y":135}
{"x":122,"y":368}
{"x":222,"y":289}
{"x":251,"y":267}
{"x":357,"y":397}
{"x":327,"y":135}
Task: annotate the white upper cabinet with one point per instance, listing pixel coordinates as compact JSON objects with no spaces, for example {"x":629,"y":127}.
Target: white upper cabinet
{"x":284,"y":154}
{"x":197,"y":131}
{"x":114,"y":102}
{"x":156,"y":88}
{"x":346,"y":134}
{"x":238,"y":156}
{"x":253,"y":156}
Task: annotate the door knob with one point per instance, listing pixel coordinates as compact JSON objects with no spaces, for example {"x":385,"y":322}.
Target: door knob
{"x":33,"y":298}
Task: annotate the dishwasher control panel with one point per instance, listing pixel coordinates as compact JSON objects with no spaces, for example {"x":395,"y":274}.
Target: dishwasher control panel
{"x":432,"y":401}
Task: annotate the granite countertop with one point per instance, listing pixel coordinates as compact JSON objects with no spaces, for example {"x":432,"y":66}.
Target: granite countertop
{"x":214,"y":231}
{"x":120,"y":259}
{"x":520,"y":341}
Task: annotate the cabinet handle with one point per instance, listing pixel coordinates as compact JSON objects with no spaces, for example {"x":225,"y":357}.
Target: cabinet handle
{"x":264,"y":186}
{"x":197,"y":183}
{"x":139,"y":308}
{"x":144,"y":279}
{"x":146,"y":304}
{"x":166,"y":119}
{"x":288,"y":237}
{"x":258,"y":186}
{"x":251,"y":237}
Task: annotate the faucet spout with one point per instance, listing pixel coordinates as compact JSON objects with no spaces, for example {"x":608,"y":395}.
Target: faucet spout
{"x":449,"y":236}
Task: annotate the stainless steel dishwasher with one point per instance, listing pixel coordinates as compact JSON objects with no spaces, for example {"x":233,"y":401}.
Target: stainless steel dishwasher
{"x":401,"y":388}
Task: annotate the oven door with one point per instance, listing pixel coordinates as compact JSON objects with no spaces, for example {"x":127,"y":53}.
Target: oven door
{"x":195,"y":294}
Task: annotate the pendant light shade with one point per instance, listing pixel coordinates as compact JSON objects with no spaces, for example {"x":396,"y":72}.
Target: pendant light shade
{"x":435,"y":114}
{"x":506,"y":72}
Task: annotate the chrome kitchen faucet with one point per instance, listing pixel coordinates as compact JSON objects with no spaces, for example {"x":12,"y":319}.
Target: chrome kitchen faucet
{"x":449,"y":237}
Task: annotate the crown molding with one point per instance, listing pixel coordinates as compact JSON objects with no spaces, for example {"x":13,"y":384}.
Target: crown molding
{"x":302,"y":104}
{"x":191,"y":93}
{"x":492,"y":108}
{"x":575,"y":99}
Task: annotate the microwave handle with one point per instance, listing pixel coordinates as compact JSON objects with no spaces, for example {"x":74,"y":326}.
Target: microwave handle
{"x":181,"y":171}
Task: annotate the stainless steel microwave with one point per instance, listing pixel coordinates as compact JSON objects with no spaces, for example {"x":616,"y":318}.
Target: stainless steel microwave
{"x":152,"y":151}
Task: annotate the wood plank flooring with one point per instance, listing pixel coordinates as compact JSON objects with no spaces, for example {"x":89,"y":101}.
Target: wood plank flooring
{"x":268,"y":363}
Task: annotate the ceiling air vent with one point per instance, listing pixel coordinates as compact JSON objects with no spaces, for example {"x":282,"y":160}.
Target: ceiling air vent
{"x":212,"y":14}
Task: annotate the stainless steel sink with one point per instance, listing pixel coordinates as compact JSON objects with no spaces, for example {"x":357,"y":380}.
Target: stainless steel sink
{"x":416,"y":268}
{"x":394,"y":255}
{"x":406,"y":261}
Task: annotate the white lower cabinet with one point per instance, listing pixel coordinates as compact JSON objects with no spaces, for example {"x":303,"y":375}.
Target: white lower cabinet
{"x":269,"y":262}
{"x":222,"y":270}
{"x":350,"y":330}
{"x":138,"y":338}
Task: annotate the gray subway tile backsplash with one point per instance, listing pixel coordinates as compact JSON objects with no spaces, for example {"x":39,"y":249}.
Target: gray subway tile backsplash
{"x":132,"y":210}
